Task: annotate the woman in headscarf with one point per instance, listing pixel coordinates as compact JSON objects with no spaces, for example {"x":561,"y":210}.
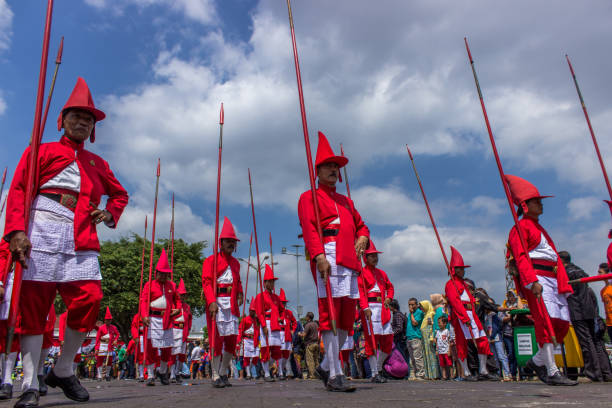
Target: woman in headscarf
{"x":429,"y":352}
{"x":437,"y":302}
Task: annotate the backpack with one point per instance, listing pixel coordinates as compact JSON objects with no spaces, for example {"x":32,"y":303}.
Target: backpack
{"x":395,"y":365}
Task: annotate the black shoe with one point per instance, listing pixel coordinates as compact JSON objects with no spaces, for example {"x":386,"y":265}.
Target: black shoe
{"x":28,"y":398}
{"x":269,"y":379}
{"x":42,"y":387}
{"x":108,"y":378}
{"x":323,"y":375}
{"x":218,"y":383}
{"x":559,"y":379}
{"x":282,"y":377}
{"x":151,"y":382}
{"x":225,"y":380}
{"x":470,"y":378}
{"x":378,"y":379}
{"x":540,"y":371}
{"x":164,"y":378}
{"x":141,"y":379}
{"x":488,"y":377}
{"x":70,"y":385}
{"x":6,"y":391}
{"x":347,"y":383}
{"x":336,"y":385}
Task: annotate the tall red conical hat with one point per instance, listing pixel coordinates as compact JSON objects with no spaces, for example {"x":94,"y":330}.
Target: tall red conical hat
{"x":325,"y":154}
{"x":108,"y":315}
{"x":227,"y":231}
{"x":80,"y":98}
{"x":162,"y":263}
{"x":522,"y":190}
{"x":456,"y":260}
{"x":181,"y":288}
{"x":269,"y":274}
{"x":252,"y":305}
{"x":372,"y":249}
{"x":282,"y":296}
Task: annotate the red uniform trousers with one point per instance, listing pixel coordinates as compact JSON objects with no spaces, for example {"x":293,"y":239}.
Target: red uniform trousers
{"x":3,"y":333}
{"x":82,"y":299}
{"x":250,"y":360}
{"x":153,"y":354}
{"x":285,"y":353}
{"x":100,"y":360}
{"x":539,"y":315}
{"x":482,"y":343}
{"x":345,"y":355}
{"x":271,"y":351}
{"x":182,"y":358}
{"x":345,"y":313}
{"x":384,"y":343}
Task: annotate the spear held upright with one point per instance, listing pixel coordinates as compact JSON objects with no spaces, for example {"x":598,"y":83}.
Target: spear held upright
{"x":58,"y":62}
{"x":313,"y":189}
{"x":144,"y":245}
{"x":246,"y":286}
{"x":172,"y":241}
{"x":3,"y":181}
{"x":540,"y":301}
{"x":261,"y":287}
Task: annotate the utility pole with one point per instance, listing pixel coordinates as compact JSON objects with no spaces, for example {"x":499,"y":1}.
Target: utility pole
{"x":297,"y":271}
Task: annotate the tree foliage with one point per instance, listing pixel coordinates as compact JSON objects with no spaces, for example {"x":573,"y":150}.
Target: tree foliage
{"x":120,"y":263}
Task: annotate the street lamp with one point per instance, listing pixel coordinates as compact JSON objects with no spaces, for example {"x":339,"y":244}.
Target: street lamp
{"x":297,"y":271}
{"x":263,"y":261}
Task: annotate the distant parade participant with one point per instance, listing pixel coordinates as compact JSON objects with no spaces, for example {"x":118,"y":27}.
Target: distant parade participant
{"x":249,"y":337}
{"x":137,"y":329}
{"x":345,"y":238}
{"x":106,"y":339}
{"x":541,"y":276}
{"x":6,"y":389}
{"x":60,"y":251}
{"x":157,"y":313}
{"x":375,"y":305}
{"x":288,"y":327}
{"x":465,"y":321}
{"x":223,"y":306}
{"x":181,"y":328}
{"x":271,"y":336}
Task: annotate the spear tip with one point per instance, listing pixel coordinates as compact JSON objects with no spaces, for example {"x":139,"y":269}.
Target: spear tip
{"x":60,"y":51}
{"x":158,"y":166}
{"x":409,"y":152}
{"x":221,"y":115}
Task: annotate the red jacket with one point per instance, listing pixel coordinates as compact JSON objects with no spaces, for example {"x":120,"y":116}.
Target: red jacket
{"x":112,"y":332}
{"x":331,"y":206}
{"x":245,"y":324}
{"x":370,"y":277}
{"x":458,"y":310}
{"x":137,"y":328}
{"x":158,"y":290}
{"x":4,"y":258}
{"x":187,"y":318}
{"x":97,"y":180}
{"x":289,"y":323}
{"x":532,"y":232}
{"x":131,"y":348}
{"x":268,"y":304}
{"x":207,"y":279}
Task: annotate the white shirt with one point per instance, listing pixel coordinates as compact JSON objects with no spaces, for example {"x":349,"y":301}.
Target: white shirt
{"x":196,"y":353}
{"x":543,"y":251}
{"x":67,"y":179}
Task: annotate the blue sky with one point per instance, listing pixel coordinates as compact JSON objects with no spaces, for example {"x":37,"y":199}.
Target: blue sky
{"x":376,"y":77}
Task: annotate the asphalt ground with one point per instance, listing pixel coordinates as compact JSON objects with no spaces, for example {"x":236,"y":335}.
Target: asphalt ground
{"x":310,"y":393}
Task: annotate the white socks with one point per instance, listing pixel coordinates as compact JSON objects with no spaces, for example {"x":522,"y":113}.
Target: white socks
{"x":466,"y":370}
{"x":225,"y":363}
{"x":482,"y":364}
{"x":173,"y":371}
{"x":150,"y":371}
{"x":7,"y":368}
{"x":216,"y":362}
{"x":99,"y":369}
{"x":266,"y":368}
{"x":72,"y":342}
{"x":382,"y":356}
{"x":281,"y":366}
{"x":41,"y":361}
{"x":141,"y":370}
{"x":30,"y":352}
{"x":373,"y":364}
{"x":288,"y":369}
{"x":332,"y":352}
{"x":545,"y":357}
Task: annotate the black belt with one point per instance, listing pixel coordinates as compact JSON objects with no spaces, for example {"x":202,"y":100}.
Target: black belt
{"x":374,"y":299}
{"x":330,"y":232}
{"x":67,"y":200}
{"x":157,"y":312}
{"x":227,"y":289}
{"x":549,"y":268}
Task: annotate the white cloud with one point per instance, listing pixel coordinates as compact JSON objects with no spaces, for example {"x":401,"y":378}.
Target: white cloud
{"x":202,"y":11}
{"x":6,"y":22}
{"x":582,"y":208}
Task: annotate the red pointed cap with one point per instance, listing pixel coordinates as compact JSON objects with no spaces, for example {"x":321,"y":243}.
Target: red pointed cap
{"x":227,"y":232}
{"x":522,"y":190}
{"x":252,"y":305}
{"x":456,"y":260}
{"x":325,"y":154}
{"x":269,"y":274}
{"x":162,"y":263}
{"x":181,"y":288}
{"x":282,"y":296}
{"x":108,"y":315}
{"x":81,"y":98}
{"x":372,"y":249}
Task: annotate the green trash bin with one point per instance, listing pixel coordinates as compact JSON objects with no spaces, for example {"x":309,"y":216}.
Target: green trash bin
{"x":525,"y":345}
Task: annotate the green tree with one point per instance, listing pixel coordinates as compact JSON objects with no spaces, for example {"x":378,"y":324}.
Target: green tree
{"x":120,"y":263}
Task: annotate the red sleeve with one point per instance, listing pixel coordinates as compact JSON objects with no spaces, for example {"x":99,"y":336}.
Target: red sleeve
{"x":309,"y":226}
{"x":134,"y":327}
{"x":144,"y":300}
{"x":293,"y":321}
{"x":363,"y":296}
{"x":98,"y":335}
{"x":454,"y":300}
{"x":389,"y":286}
{"x":523,"y":263}
{"x":4,"y":258}
{"x":260,"y":309}
{"x":15,"y":202}
{"x":117,"y":196}
{"x":207,"y":283}
{"x":131,"y":347}
{"x":237,"y":269}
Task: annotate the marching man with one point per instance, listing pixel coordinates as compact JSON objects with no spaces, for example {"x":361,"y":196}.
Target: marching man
{"x":106,"y":340}
{"x":249,"y":335}
{"x":269,"y":317}
{"x":181,"y":327}
{"x":288,"y":327}
{"x":60,"y":251}
{"x":465,"y":321}
{"x":222,"y":308}
{"x":375,"y":304}
{"x":157,"y":313}
{"x":137,"y":330}
{"x":345,"y":238}
{"x":542,"y":276}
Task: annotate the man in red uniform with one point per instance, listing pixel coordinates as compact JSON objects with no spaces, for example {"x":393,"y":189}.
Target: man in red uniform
{"x":465,"y":321}
{"x":375,"y":303}
{"x":137,"y":330}
{"x":157,"y":312}
{"x":249,"y":336}
{"x":542,"y":279}
{"x":106,"y":340}
{"x":61,"y":248}
{"x":288,"y":327}
{"x":6,"y":389}
{"x":222,"y":309}
{"x":267,"y":304}
{"x":180,"y":327}
{"x":345,"y":238}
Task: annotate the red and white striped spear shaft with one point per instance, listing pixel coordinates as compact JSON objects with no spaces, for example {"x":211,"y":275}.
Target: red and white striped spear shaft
{"x":144,"y":245}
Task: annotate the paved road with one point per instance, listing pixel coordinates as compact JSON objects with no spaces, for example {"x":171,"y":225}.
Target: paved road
{"x":299,"y":393}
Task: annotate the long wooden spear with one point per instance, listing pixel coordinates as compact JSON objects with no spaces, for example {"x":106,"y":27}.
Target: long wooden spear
{"x":433,"y":224}
{"x":588,"y":120}
{"x":370,"y":327}
{"x":32,"y":171}
{"x":313,"y":190}
{"x":58,"y":62}
{"x":3,"y":181}
{"x":151,"y":253}
{"x":216,"y":242}
{"x":271,"y":253}
{"x":144,"y":245}
{"x":246,"y":287}
{"x":172,"y":241}
{"x":539,"y":300}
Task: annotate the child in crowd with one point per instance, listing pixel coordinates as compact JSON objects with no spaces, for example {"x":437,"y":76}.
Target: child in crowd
{"x":443,"y":340}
